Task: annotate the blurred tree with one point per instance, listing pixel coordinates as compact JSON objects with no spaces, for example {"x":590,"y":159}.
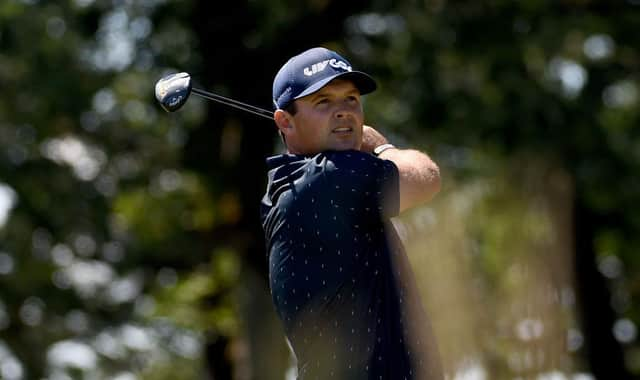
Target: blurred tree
{"x":243,"y":44}
{"x":103,"y":215}
{"x":130,"y":239}
{"x":555,"y":81}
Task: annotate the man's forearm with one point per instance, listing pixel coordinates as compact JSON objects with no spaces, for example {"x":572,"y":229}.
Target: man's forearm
{"x":419,"y":176}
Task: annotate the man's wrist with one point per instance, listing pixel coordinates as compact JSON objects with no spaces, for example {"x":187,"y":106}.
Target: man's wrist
{"x":377,"y":151}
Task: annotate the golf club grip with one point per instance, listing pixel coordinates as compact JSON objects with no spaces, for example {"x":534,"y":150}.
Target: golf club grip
{"x":233,"y":103}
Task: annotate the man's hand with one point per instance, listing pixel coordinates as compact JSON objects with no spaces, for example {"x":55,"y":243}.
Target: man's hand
{"x":371,"y":139}
{"x":419,"y":175}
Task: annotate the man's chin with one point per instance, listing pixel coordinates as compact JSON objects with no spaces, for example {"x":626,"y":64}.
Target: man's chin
{"x":346,"y":146}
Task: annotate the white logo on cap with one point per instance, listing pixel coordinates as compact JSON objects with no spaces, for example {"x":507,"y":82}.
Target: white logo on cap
{"x":320,"y":66}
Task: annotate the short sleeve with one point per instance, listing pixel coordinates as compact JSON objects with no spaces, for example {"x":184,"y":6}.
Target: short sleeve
{"x":389,"y":188}
{"x":375,"y":181}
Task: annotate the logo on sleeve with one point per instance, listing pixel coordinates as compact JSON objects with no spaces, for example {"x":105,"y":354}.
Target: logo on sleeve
{"x":320,"y":66}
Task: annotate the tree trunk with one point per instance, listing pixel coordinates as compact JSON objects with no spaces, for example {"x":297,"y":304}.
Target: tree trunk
{"x":231,"y":146}
{"x":604,"y":354}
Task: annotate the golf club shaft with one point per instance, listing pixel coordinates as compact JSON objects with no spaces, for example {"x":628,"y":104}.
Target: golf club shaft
{"x":233,"y":103}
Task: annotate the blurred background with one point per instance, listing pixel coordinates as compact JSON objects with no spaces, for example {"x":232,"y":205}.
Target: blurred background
{"x":130,"y":243}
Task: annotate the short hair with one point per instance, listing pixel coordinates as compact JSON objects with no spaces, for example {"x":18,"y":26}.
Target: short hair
{"x":291,"y":108}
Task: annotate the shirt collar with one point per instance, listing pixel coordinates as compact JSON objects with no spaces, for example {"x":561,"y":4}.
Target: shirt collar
{"x":283,"y":159}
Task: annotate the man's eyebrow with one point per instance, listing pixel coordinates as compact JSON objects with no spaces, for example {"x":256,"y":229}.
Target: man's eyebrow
{"x":317,"y":94}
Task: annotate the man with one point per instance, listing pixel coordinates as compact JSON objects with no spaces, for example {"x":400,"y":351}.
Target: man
{"x":339,"y":276}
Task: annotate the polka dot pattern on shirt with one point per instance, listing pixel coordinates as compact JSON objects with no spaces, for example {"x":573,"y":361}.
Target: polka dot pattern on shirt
{"x":332,"y":260}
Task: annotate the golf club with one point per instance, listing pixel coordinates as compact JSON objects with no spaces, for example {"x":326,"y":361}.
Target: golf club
{"x":172,"y":92}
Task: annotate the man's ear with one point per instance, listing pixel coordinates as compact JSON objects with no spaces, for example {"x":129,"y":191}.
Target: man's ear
{"x":284,"y":121}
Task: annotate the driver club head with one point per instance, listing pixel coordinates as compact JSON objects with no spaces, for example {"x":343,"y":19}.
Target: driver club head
{"x":172,"y":91}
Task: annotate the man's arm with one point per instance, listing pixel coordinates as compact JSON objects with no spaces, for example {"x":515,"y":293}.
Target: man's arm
{"x":419,"y":175}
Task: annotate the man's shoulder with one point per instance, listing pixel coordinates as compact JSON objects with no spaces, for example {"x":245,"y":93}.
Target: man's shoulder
{"x":330,"y":159}
{"x":355,"y":162}
{"x":350,"y":157}
{"x":329,"y":166}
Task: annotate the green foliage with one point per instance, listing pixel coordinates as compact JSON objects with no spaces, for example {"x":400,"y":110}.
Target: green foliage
{"x":203,"y":300}
{"x":175,"y":369}
{"x":126,"y":221}
{"x":494,"y":268}
{"x":509,"y":80}
{"x":176,"y":202}
{"x":102,"y":203}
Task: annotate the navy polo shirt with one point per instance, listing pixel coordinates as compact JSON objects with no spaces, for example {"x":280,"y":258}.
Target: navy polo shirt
{"x":339,"y":276}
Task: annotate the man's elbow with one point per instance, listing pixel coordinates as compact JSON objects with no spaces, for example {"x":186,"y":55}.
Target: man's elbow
{"x":430,"y":184}
{"x":422,"y":187}
{"x":434,"y":181}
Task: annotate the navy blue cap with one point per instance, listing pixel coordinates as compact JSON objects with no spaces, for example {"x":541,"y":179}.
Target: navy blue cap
{"x":311,"y":70}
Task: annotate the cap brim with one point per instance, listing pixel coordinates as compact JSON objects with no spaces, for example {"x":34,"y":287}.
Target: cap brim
{"x":363,"y":82}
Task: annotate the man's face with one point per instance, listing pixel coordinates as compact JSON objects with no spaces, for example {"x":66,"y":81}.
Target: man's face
{"x":329,"y":119}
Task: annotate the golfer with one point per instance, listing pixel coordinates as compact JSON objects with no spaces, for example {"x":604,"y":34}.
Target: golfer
{"x":339,"y":276}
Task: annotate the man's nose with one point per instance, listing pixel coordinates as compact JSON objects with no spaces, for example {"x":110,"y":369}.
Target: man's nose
{"x":343,"y":110}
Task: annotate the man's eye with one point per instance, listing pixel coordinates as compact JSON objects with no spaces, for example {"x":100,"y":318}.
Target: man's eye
{"x":353,"y":98}
{"x":322,"y":101}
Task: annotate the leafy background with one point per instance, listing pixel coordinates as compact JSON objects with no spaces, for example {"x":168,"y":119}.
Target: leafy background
{"x":130,"y":244}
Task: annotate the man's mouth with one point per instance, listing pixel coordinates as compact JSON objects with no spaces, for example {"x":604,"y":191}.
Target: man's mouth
{"x":343,"y":130}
